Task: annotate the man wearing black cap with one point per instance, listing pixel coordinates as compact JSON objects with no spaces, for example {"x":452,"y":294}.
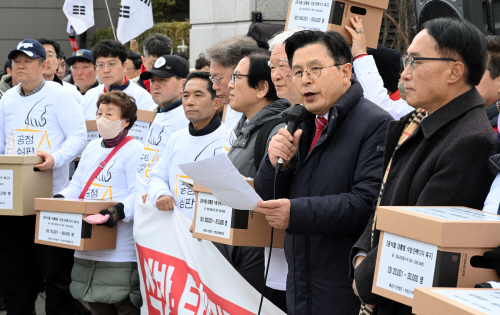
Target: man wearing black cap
{"x":52,"y":50}
{"x":378,"y":72}
{"x":83,"y":70}
{"x":37,"y":117}
{"x":167,"y":77}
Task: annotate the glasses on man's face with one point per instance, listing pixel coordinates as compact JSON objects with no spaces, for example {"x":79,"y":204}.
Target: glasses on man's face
{"x":409,"y":60}
{"x":234,"y":75}
{"x":102,"y":66}
{"x":51,"y":56}
{"x":217,"y":80}
{"x":314,"y":72}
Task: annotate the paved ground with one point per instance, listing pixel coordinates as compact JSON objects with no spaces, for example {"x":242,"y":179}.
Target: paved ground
{"x":40,"y":305}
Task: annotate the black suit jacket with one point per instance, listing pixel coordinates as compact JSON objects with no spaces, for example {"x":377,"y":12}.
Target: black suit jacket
{"x":443,"y":163}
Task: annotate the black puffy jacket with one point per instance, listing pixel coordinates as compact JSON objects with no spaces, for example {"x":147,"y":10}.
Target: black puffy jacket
{"x":331,"y":189}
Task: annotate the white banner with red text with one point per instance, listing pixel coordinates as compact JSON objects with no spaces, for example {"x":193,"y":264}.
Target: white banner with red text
{"x":181,"y":275}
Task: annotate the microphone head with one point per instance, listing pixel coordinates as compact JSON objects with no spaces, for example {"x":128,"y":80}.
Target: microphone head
{"x":297,"y":114}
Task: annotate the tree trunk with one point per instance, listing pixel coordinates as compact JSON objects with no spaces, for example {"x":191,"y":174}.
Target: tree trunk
{"x":405,"y":11}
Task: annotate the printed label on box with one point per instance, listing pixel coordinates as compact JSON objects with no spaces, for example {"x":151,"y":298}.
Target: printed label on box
{"x":6,"y":189}
{"x":140,"y":131}
{"x":60,"y":227}
{"x":487,"y":301}
{"x":453,"y":213}
{"x":212,"y":216}
{"x":310,"y":15}
{"x":405,"y":264}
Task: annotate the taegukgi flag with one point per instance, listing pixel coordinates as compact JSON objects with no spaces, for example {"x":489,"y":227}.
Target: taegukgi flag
{"x":136,"y":17}
{"x":80,"y":14}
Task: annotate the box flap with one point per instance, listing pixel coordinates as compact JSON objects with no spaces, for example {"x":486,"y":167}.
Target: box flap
{"x":145,"y":115}
{"x":20,"y":159}
{"x":381,"y":4}
{"x":91,"y":125}
{"x":72,"y":205}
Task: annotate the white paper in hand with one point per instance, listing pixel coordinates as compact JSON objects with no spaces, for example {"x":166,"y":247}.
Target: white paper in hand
{"x":220,"y":176}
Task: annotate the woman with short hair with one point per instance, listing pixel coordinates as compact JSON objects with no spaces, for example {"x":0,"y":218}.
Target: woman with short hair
{"x":108,"y":279}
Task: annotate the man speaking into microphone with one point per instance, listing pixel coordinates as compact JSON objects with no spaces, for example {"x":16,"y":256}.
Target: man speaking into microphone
{"x":331,"y":174}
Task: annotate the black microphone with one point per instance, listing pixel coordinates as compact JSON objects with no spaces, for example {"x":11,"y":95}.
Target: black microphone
{"x":295,"y":116}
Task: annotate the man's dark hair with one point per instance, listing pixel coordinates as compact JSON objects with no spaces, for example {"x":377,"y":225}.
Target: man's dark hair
{"x":258,"y":71}
{"x":136,"y":59}
{"x":201,"y":62}
{"x":109,"y":48}
{"x":204,"y":75}
{"x":336,"y":45}
{"x":455,"y":38}
{"x":493,"y":65}
{"x":7,"y":65}
{"x":157,"y":45}
{"x":57,"y":48}
{"x":61,"y":55}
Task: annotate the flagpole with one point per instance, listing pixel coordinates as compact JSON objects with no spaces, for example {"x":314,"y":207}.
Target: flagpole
{"x":110,"y":20}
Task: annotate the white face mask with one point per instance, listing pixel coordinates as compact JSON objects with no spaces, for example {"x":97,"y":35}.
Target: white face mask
{"x":109,"y":129}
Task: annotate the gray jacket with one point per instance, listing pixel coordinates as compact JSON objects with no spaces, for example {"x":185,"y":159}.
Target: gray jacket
{"x":5,"y":83}
{"x":242,"y":149}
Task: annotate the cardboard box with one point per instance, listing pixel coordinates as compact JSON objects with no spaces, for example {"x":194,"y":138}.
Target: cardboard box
{"x":432,"y":247}
{"x":334,"y":15}
{"x":141,"y":127}
{"x":219,"y":223}
{"x":20,"y":184}
{"x":59,"y":222}
{"x":446,"y":301}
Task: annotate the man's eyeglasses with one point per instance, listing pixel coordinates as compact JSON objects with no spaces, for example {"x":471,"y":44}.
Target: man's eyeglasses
{"x":234,"y":75}
{"x":217,"y":80}
{"x":409,"y":60}
{"x":102,"y":66}
{"x":314,"y":72}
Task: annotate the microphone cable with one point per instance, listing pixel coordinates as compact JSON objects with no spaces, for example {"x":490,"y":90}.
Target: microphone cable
{"x":270,"y":247}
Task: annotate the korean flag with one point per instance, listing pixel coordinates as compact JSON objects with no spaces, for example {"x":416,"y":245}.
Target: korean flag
{"x":80,"y":14}
{"x":136,"y":17}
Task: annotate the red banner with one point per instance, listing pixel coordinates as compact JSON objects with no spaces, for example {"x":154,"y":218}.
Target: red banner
{"x":172,"y":287}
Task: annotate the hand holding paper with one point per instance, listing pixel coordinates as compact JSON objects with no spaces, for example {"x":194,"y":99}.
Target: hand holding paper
{"x":224,"y":181}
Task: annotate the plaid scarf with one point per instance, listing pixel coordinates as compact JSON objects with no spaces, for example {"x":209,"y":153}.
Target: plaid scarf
{"x":412,"y":125}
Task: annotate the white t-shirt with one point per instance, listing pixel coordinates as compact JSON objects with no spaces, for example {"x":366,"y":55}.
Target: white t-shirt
{"x":142,"y":98}
{"x":48,"y":121}
{"x":181,"y":148}
{"x":74,"y":91}
{"x":231,"y":120}
{"x":368,"y":76}
{"x":116,"y":182}
{"x":163,"y":126}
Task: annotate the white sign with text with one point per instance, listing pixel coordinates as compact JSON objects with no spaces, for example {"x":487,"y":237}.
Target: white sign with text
{"x":212,"y":216}
{"x":310,"y":15}
{"x":405,"y":264}
{"x":139,"y":131}
{"x":60,"y":227}
{"x":6,"y":189}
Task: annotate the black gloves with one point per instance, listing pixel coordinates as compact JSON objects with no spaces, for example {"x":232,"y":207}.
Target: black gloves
{"x":58,"y":196}
{"x":492,"y":259}
{"x":116,"y":214}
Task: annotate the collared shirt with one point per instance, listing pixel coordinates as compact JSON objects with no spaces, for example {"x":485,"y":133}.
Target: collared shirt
{"x":37,"y":89}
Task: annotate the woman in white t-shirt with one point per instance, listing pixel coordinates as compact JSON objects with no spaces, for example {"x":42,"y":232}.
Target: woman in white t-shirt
{"x":109,"y":279}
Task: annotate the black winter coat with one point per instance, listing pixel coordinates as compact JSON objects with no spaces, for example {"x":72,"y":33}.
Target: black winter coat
{"x":331,"y":189}
{"x":443,"y":163}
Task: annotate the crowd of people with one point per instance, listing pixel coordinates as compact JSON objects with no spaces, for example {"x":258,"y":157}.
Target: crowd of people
{"x":360,"y":145}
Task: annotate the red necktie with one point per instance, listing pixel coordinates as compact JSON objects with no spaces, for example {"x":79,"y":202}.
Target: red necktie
{"x":320,"y":125}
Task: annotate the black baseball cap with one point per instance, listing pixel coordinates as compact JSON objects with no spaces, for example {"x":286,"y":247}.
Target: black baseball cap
{"x":84,"y":54}
{"x":167,"y":66}
{"x":30,"y":47}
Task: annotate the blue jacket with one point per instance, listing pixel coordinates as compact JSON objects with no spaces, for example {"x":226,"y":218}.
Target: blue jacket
{"x":331,"y":189}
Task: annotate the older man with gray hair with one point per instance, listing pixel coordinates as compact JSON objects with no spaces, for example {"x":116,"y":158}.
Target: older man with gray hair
{"x":224,"y":57}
